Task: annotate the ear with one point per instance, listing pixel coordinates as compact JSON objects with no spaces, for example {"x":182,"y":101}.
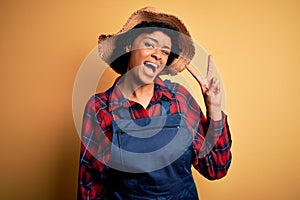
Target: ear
{"x":128,"y":48}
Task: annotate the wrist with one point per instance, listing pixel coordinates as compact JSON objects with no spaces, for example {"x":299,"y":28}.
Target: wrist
{"x":215,"y":113}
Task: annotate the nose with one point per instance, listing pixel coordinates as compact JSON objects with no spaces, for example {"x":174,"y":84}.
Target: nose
{"x":156,"y":54}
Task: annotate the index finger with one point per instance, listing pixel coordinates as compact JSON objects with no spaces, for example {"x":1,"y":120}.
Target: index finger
{"x":195,"y":74}
{"x":209,"y":67}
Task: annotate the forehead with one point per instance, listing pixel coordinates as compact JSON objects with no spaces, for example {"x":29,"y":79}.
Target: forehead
{"x":158,"y":37}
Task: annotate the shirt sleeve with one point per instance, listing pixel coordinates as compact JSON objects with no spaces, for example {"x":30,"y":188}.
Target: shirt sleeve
{"x":211,"y":139}
{"x":91,"y":170}
{"x":212,"y":143}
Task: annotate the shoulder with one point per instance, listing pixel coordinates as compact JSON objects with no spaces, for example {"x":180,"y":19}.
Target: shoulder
{"x":177,"y":89}
{"x":98,"y":101}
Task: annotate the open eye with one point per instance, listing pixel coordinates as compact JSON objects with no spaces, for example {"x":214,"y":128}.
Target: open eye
{"x":149,"y":45}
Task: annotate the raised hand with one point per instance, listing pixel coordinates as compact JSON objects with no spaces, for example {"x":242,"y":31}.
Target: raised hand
{"x":210,"y":87}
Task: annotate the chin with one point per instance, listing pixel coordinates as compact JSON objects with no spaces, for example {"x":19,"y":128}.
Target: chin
{"x":140,"y":76}
{"x":145,"y":80}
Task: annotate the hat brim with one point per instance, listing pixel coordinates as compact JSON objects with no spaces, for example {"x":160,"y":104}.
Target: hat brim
{"x":107,"y":42}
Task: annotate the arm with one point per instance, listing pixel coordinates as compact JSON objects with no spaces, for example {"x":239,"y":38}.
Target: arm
{"x":212,"y":140}
{"x":89,"y":185}
{"x":91,"y":170}
{"x":212,"y":143}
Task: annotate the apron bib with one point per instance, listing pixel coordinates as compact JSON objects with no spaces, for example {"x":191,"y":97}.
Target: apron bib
{"x":151,"y":158}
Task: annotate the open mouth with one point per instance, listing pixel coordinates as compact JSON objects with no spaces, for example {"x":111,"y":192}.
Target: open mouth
{"x":151,"y":66}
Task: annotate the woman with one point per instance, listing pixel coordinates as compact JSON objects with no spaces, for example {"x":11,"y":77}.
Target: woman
{"x":141,"y":137}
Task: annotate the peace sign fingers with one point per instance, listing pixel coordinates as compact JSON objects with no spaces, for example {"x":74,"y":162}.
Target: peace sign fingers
{"x":210,"y":87}
{"x":209,"y":68}
{"x":204,"y":82}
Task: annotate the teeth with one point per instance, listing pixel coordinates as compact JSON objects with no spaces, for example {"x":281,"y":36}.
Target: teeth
{"x":151,"y":64}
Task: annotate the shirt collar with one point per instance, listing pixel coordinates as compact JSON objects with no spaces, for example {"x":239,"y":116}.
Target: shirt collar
{"x":117,"y":100}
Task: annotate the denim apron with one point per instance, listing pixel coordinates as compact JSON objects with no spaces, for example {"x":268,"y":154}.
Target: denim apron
{"x":151,"y":158}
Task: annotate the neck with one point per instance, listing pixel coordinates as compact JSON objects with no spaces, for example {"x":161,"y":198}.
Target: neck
{"x":135,"y":91}
{"x":145,"y":90}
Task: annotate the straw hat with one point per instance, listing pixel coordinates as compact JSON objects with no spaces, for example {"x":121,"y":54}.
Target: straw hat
{"x":107,"y":42}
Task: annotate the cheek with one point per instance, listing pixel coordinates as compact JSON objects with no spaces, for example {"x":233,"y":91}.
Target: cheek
{"x":165,"y":59}
{"x":145,"y":52}
{"x":137,"y":57}
{"x":141,"y":54}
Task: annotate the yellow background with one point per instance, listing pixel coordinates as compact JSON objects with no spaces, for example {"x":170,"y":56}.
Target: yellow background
{"x":255,"y":45}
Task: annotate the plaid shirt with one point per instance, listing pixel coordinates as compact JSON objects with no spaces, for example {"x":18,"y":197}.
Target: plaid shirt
{"x":211,"y":139}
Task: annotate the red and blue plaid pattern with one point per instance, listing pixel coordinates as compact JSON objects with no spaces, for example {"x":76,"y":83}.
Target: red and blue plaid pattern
{"x":211,"y":141}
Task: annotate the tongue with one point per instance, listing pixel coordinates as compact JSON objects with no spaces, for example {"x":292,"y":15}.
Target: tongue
{"x":150,"y":66}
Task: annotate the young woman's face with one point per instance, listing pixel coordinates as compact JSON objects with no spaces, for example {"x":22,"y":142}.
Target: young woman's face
{"x":149,"y":55}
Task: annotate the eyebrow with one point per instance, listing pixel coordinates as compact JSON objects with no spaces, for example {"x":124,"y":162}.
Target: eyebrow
{"x":156,"y":41}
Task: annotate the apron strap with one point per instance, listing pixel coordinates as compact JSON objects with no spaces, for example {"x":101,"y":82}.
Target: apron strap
{"x":123,"y":113}
{"x":165,"y":106}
